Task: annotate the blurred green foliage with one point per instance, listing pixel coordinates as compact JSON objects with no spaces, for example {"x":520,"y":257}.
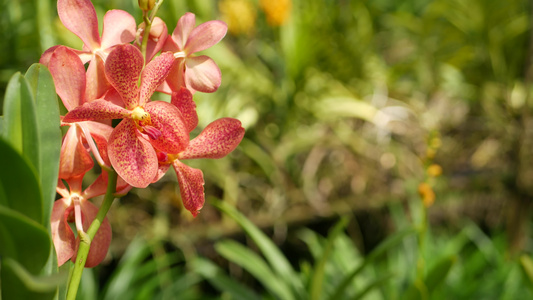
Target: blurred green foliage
{"x":346,"y":105}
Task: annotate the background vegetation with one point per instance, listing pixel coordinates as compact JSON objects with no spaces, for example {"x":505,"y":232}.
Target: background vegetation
{"x":411,"y":120}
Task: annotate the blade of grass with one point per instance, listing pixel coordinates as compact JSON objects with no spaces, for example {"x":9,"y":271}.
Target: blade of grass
{"x":273,"y":255}
{"x":253,"y":263}
{"x":319,"y":271}
{"x":380,"y":250}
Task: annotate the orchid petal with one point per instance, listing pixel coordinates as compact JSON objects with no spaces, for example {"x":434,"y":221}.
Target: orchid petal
{"x":161,"y":171}
{"x":167,"y":119}
{"x":183,"y":29}
{"x":61,"y":189}
{"x":79,"y":17}
{"x":45,"y":57}
{"x":217,"y":140}
{"x":99,"y":109}
{"x":100,"y":133}
{"x":97,"y":83}
{"x":202,"y":74}
{"x":99,"y":186}
{"x":123,"y":67}
{"x":69,"y":77}
{"x":62,"y":236}
{"x":101,"y":241}
{"x":74,"y":159}
{"x":133,"y":158}
{"x":176,"y":76}
{"x":119,"y":28}
{"x":154,"y":74}
{"x":191,"y":183}
{"x":205,"y":35}
{"x":184,"y":102}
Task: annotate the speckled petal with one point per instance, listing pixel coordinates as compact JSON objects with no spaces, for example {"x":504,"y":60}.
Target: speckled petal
{"x":167,"y":118}
{"x":97,"y":110}
{"x":191,"y":183}
{"x":74,"y":159}
{"x":184,"y":102}
{"x":183,"y":29}
{"x":68,"y":73}
{"x":123,"y":68}
{"x":205,"y":36}
{"x":101,"y":241}
{"x":217,"y":140}
{"x":119,"y":28}
{"x":79,"y":17}
{"x":62,"y":236}
{"x":202,"y":74}
{"x":154,"y":74}
{"x":161,"y":171}
{"x":133,"y":157}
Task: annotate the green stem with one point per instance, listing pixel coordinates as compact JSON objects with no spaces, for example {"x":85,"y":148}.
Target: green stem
{"x":148,"y":25}
{"x":86,"y":238}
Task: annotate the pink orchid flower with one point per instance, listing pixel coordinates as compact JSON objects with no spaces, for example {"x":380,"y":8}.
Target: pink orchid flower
{"x":196,"y":73}
{"x":144,"y":124}
{"x":75,"y":207}
{"x":69,"y":79}
{"x":217,"y":140}
{"x":79,"y":16}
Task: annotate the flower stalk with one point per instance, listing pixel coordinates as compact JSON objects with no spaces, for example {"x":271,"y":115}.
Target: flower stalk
{"x":85,"y":238}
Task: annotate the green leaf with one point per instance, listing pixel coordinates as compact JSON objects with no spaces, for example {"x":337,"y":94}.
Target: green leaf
{"x":20,"y":121}
{"x":18,"y":283}
{"x":380,"y":250}
{"x":319,"y":271}
{"x":23,"y":240}
{"x":372,"y":285}
{"x":19,"y":188}
{"x":273,"y":255}
{"x":49,"y":132}
{"x":255,"y":265}
{"x":527,"y":267}
{"x":437,"y":274}
{"x":216,"y":276}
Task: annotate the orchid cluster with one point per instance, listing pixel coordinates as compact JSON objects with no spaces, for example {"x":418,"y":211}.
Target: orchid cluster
{"x":127,"y":64}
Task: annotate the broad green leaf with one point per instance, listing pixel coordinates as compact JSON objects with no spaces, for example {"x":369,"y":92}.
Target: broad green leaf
{"x":216,"y":276}
{"x":380,"y":250}
{"x":48,"y":126}
{"x":18,"y":283}
{"x":19,"y":186}
{"x":23,"y":240}
{"x":319,"y":270}
{"x":527,"y":266}
{"x":20,"y":121}
{"x":255,"y":265}
{"x":273,"y":255}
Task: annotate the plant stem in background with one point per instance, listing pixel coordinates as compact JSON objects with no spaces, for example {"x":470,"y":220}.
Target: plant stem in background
{"x":86,"y":238}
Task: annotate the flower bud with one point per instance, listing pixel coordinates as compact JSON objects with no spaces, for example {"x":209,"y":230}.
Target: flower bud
{"x":146,"y":5}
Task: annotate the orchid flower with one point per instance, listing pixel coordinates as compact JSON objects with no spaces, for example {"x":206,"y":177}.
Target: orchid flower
{"x":217,"y":140}
{"x":196,"y":73}
{"x":79,"y":16}
{"x":69,"y":77}
{"x":144,"y":124}
{"x":75,"y":207}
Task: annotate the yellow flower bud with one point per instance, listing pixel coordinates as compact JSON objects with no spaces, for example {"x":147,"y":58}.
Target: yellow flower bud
{"x":146,"y":5}
{"x":426,"y":193}
{"x":434,"y":170}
